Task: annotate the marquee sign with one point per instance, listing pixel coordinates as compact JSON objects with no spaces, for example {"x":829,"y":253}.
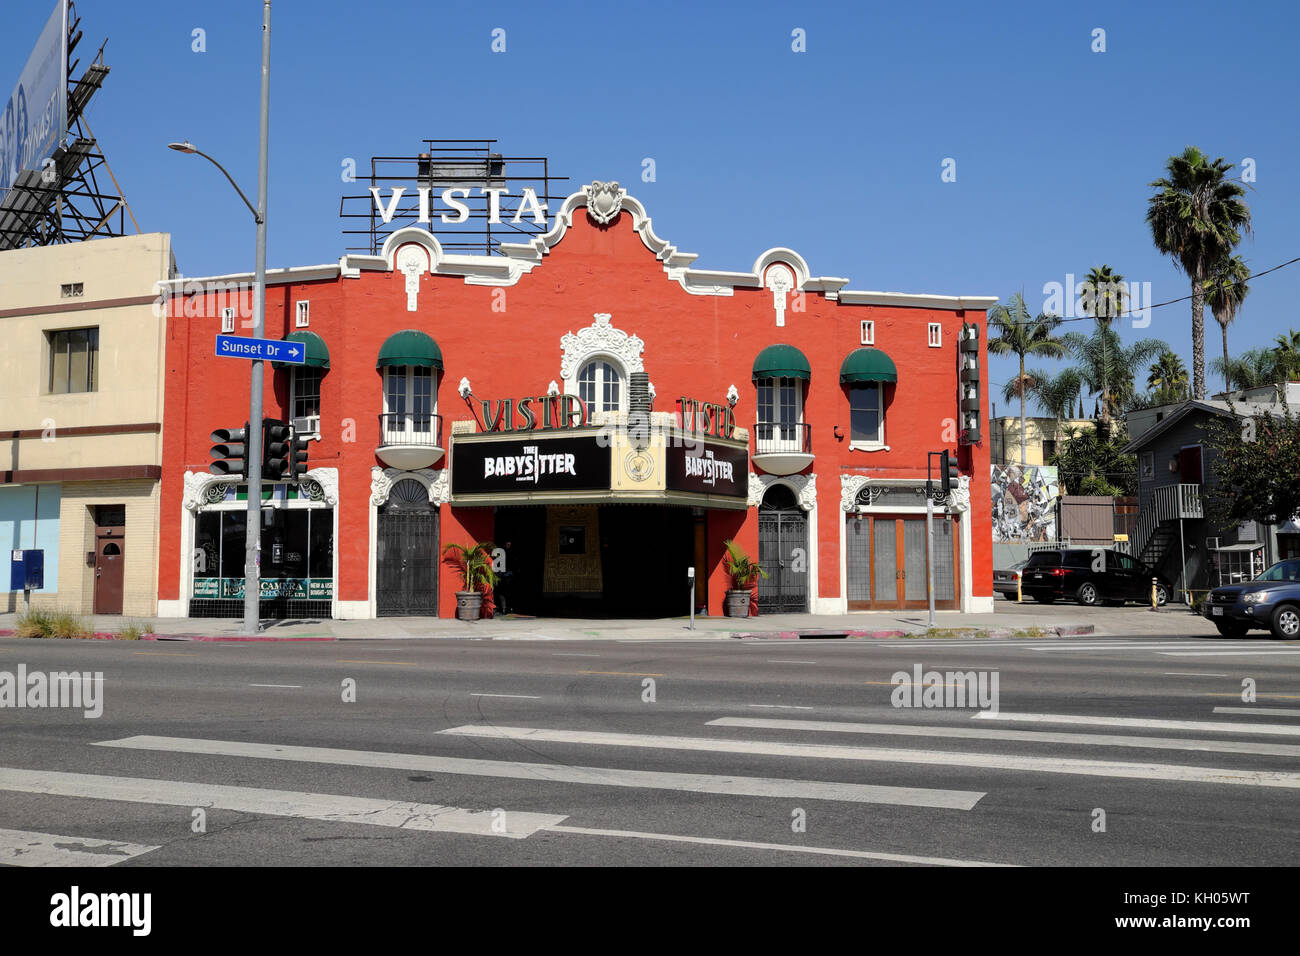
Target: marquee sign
{"x":452,"y":199}
{"x":524,"y":466}
{"x":709,"y":468}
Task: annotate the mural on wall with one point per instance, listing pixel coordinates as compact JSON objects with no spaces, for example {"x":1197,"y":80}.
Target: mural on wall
{"x":1024,"y":502}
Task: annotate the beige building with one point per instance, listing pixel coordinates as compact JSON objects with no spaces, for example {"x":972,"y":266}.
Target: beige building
{"x":81,"y":406}
{"x":1043,"y":438}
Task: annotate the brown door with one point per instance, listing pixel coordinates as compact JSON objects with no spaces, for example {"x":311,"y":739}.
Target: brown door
{"x":887,"y":568}
{"x":109,"y":546}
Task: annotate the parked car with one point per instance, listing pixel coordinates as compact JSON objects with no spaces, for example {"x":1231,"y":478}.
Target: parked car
{"x":1090,"y":576}
{"x":1007,"y":582}
{"x":1270,"y":602}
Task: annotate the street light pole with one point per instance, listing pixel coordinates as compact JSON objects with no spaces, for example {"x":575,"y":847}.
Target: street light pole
{"x":253,"y":534}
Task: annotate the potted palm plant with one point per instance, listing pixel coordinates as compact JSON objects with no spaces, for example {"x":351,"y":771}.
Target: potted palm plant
{"x":744,"y":573}
{"x":474,"y":564}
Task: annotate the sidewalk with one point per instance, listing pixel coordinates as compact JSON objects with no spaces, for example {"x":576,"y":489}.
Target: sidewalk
{"x":1008,"y":621}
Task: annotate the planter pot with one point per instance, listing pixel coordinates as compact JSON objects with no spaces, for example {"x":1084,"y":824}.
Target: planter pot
{"x":469,"y":605}
{"x":736,"y":603}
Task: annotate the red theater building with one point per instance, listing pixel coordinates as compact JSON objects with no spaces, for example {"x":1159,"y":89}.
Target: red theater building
{"x":601,"y":410}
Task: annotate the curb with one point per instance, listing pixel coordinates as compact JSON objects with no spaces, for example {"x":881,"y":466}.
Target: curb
{"x":1061,"y":630}
{"x":201,"y":638}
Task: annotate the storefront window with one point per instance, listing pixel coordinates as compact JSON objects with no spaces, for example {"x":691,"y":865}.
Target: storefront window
{"x":297,"y":552}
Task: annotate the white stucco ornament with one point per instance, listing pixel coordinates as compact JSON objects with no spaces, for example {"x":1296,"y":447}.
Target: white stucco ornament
{"x":599,"y":338}
{"x":733,"y":395}
{"x":464,"y":389}
{"x":959,"y":497}
{"x":780,"y":280}
{"x":553,"y":389}
{"x":803,"y":486}
{"x":412,"y":262}
{"x":604,"y":201}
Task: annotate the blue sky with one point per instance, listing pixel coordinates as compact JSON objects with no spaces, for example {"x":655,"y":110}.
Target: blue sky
{"x":835,"y":152}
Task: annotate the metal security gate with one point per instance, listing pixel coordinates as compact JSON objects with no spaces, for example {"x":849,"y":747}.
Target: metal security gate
{"x":783,"y":553}
{"x":407,"y":556}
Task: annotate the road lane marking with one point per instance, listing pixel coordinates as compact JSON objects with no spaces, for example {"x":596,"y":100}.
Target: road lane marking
{"x":518,"y":696}
{"x":1272,"y":652}
{"x":781,"y":706}
{"x":294,"y":686}
{"x":31,"y":848}
{"x":1237,"y":694}
{"x":1204,"y":726}
{"x":946,"y":758}
{"x":620,"y":674}
{"x":389,"y":663}
{"x":161,"y":654}
{"x":335,"y":808}
{"x":777,"y":847}
{"x":1021,"y":736}
{"x":1266,"y":711}
{"x":562,"y":654}
{"x":1191,"y":674}
{"x":791,"y":662}
{"x":728,"y":785}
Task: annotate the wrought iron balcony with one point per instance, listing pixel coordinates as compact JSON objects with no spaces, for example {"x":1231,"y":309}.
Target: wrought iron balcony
{"x":410,"y":440}
{"x":783,"y":448}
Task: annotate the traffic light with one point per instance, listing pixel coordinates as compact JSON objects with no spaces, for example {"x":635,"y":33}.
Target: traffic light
{"x":297,"y":458}
{"x":230,"y":452}
{"x":948,"y":474}
{"x":971,"y":406}
{"x":275,"y":449}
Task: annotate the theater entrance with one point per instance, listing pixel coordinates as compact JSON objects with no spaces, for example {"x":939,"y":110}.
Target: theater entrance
{"x":595,"y":560}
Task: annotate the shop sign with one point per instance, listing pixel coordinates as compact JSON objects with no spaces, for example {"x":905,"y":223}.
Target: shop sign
{"x":525,"y":466}
{"x":452,"y":199}
{"x":706,"y":418}
{"x":540,"y":413}
{"x":709,"y":468}
{"x":271,"y":588}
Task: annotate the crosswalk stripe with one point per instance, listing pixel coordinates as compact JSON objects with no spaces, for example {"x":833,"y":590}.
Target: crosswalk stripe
{"x":947,"y":758}
{"x":1266,"y":711}
{"x":779,"y":847}
{"x":1019,"y":736}
{"x":1203,"y":726}
{"x":334,"y":808}
{"x":31,"y":848}
{"x":563,"y":773}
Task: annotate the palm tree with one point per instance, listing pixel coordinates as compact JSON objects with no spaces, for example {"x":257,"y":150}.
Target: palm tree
{"x":1224,"y":292}
{"x":1168,"y":379}
{"x":1197,"y":216}
{"x":1252,"y":368}
{"x":1287,"y":351}
{"x":1020,"y":335}
{"x":1055,"y":394}
{"x":1103,"y":299}
{"x":1107,"y":368}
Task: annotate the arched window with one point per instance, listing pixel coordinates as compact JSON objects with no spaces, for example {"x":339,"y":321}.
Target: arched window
{"x":600,"y":386}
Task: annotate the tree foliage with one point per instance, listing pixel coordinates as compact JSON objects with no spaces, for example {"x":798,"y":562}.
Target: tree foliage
{"x":1258,"y":468}
{"x":1091,"y":462}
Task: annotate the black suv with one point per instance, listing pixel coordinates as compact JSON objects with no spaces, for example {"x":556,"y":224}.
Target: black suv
{"x":1091,"y":576}
{"x":1271,"y":601}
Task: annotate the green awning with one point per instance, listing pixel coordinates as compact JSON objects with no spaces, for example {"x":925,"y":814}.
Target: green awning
{"x":782,"y":361}
{"x":318,"y":356}
{"x":867,"y":365}
{"x":410,"y":347}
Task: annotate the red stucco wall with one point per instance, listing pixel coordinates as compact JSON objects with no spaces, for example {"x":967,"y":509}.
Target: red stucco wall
{"x":506,"y":340}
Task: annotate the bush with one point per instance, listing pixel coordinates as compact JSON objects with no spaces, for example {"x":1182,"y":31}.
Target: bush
{"x":130,"y":632}
{"x":35,"y":624}
{"x":57,"y":623}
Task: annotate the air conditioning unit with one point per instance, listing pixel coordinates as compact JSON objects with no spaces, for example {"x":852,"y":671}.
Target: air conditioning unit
{"x":1211,"y":544}
{"x":307,"y":427}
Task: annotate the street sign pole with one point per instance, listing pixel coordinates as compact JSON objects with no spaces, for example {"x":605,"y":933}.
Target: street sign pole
{"x":929,"y":536}
{"x":253,"y":537}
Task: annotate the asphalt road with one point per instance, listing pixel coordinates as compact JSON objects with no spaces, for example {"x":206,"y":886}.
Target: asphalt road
{"x":637,"y":753}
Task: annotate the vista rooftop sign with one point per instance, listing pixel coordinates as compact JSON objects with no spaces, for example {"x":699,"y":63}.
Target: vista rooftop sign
{"x":452,"y":198}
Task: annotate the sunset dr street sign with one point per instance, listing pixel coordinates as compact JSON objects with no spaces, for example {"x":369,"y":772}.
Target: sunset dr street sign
{"x":268,"y":350}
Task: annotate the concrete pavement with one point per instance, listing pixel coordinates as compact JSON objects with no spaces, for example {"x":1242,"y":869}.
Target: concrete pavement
{"x":1058,"y":620}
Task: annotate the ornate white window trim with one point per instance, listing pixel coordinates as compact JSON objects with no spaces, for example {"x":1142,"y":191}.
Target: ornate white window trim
{"x":957,"y":502}
{"x":803,"y":486}
{"x":436,"y":483}
{"x":599,"y":340}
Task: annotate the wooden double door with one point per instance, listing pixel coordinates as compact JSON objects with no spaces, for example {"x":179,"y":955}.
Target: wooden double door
{"x":886,"y":562}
